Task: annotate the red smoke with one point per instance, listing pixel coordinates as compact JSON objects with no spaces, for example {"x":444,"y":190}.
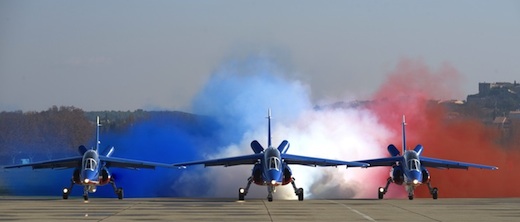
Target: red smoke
{"x":409,"y":90}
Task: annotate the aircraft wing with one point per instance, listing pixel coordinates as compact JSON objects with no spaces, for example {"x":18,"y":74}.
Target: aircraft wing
{"x":312,"y":161}
{"x":230,"y":161}
{"x":446,"y":164}
{"x":389,"y":161}
{"x":64,"y":163}
{"x":131,"y":164}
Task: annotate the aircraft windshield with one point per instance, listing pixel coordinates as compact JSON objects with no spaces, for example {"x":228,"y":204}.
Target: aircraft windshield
{"x":90,"y":164}
{"x":414,"y":164}
{"x":274,"y":163}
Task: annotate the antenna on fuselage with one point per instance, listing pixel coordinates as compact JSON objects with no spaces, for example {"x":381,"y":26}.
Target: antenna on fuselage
{"x":97,"y":133}
{"x":404,"y":134}
{"x":268,"y":127}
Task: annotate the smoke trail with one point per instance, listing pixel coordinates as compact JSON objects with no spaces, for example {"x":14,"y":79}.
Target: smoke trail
{"x":408,"y":90}
{"x":234,"y":103}
{"x":162,"y":137}
{"x":240,"y":93}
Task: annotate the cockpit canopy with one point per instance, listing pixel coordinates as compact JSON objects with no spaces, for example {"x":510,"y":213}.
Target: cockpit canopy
{"x":90,"y":160}
{"x":274,"y":163}
{"x":414,"y":164}
{"x":412,"y":160}
{"x":90,"y":164}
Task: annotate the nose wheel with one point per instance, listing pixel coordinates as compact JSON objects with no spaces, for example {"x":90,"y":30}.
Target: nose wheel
{"x":85,"y":193}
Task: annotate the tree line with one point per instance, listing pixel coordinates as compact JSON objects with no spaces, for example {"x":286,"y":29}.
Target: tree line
{"x":58,"y":130}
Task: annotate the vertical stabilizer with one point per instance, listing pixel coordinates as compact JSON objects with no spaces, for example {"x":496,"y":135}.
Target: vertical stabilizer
{"x":269,"y":128}
{"x":97,"y":133}
{"x":404,"y":134}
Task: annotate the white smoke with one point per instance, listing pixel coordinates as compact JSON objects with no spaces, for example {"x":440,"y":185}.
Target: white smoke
{"x":239,"y":96}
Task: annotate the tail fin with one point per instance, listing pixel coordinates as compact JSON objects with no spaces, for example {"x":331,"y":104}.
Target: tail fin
{"x":269,"y":128}
{"x":97,"y":133}
{"x":404,"y":135}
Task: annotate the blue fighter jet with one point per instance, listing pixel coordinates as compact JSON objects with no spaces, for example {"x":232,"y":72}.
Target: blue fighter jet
{"x":410,"y":170}
{"x":271,"y":165}
{"x":91,"y":168}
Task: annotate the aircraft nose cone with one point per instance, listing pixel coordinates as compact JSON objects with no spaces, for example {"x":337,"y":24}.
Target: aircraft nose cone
{"x":89,"y":176}
{"x":274,"y":177}
{"x":415,"y":177}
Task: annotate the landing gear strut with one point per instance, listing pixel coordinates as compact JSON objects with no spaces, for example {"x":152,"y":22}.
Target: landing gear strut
{"x":382,"y":190}
{"x":297,"y":191}
{"x":85,"y":193}
{"x":66,"y":191}
{"x":243,"y":192}
{"x":433,"y":191}
{"x":118,"y":191}
{"x":270,"y":190}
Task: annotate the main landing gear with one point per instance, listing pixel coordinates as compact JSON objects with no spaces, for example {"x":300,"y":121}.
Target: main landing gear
{"x":382,"y":190}
{"x":242,"y":192}
{"x":297,"y":191}
{"x":118,"y":191}
{"x":66,"y":191}
{"x":434,"y":191}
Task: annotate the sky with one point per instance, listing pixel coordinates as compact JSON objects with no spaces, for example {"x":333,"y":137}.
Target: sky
{"x":158,"y":55}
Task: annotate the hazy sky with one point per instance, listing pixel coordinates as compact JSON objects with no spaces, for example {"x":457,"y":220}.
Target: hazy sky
{"x":127,"y":55}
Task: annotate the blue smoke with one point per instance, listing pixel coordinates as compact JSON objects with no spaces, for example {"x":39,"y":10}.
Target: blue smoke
{"x":240,"y":92}
{"x":233,"y":102}
{"x":161,"y":137}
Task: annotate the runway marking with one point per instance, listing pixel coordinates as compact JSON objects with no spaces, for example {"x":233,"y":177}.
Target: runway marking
{"x":413,"y":212}
{"x":266,"y":208}
{"x":355,"y":211}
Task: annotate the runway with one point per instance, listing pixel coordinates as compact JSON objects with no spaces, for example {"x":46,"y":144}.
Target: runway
{"x":179,"y":209}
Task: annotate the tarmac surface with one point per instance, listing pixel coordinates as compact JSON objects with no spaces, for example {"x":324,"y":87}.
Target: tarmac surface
{"x":181,"y":209}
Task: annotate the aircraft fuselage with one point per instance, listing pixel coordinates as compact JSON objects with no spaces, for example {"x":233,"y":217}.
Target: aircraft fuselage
{"x":272,"y":173}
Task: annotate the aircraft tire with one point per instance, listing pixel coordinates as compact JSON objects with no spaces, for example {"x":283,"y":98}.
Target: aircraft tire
{"x":300,"y":194}
{"x":435,"y":193}
{"x":380,"y":195}
{"x":410,"y":197}
{"x":65,"y":195}
{"x":85,"y":197}
{"x":240,"y":194}
{"x":119,"y":193}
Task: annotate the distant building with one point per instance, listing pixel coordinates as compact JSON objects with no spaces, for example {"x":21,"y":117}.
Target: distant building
{"x":514,"y":115}
{"x":502,"y":97}
{"x":485,"y":88}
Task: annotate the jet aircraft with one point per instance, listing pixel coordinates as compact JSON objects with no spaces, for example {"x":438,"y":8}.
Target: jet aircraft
{"x":271,"y":165}
{"x":91,"y":167}
{"x":409,"y":169}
